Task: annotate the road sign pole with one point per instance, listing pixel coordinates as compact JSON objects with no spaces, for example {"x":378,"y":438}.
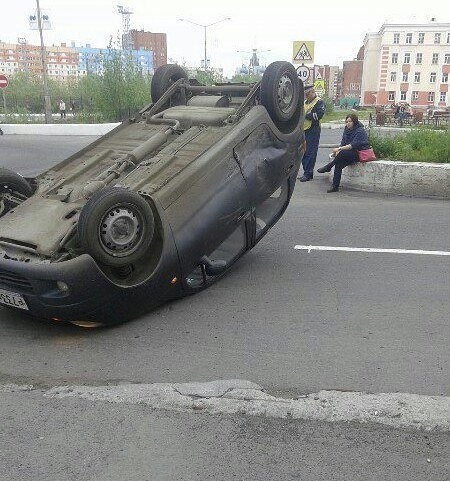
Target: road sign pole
{"x":4,"y":100}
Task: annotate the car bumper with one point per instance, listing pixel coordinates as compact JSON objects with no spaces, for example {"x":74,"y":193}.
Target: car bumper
{"x":89,"y":296}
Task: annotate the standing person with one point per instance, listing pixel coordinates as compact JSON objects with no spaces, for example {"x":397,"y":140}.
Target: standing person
{"x":72,"y":107}
{"x":314,"y":111}
{"x":62,"y":109}
{"x":353,"y":140}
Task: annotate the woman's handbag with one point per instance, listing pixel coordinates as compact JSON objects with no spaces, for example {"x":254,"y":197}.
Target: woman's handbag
{"x":366,"y":155}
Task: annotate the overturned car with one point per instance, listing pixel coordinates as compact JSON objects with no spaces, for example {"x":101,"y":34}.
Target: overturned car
{"x":158,"y":208}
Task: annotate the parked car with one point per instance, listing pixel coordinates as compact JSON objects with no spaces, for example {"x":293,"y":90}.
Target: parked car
{"x":158,"y":208}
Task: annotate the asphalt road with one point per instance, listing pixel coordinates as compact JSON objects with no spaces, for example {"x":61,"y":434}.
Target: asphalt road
{"x":292,"y":321}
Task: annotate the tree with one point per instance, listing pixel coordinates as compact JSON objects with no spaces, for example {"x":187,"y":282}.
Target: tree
{"x":246,"y":78}
{"x":329,"y":105}
{"x":24,"y":93}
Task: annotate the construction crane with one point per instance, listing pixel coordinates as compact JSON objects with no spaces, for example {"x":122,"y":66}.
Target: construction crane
{"x":126,"y":37}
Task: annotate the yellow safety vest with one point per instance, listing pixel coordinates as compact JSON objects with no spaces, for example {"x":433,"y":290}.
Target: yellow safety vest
{"x":308,"y":107}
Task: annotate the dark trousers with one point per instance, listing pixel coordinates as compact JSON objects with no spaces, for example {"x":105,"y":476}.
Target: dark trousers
{"x":342,"y":159}
{"x":312,"y":137}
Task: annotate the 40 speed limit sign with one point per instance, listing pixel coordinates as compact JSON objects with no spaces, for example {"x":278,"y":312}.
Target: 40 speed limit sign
{"x":303,"y":73}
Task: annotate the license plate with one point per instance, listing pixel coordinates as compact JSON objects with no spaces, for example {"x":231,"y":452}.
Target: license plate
{"x":12,"y":299}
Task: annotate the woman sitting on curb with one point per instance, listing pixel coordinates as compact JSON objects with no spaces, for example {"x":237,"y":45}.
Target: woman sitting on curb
{"x":353,"y":140}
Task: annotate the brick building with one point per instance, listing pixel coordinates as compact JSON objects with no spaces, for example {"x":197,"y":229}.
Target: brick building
{"x":407,"y":63}
{"x":352,"y":76}
{"x":156,"y":42}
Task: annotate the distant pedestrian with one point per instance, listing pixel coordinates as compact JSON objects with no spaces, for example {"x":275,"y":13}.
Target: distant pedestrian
{"x":62,"y":109}
{"x":72,"y":107}
{"x":353,"y":141}
{"x":314,"y":111}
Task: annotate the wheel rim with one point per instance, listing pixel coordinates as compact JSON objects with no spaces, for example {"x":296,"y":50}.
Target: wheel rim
{"x":285,"y":93}
{"x":120,"y":231}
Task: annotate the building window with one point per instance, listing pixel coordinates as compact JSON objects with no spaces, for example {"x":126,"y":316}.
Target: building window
{"x":433,"y":77}
{"x":409,"y":38}
{"x":415,"y":95}
{"x":435,"y":59}
{"x":393,"y":76}
{"x":437,"y":38}
{"x":430,"y":96}
{"x":396,"y":38}
{"x":402,"y":95}
{"x":421,"y":37}
{"x":447,"y":59}
{"x":391,"y":97}
{"x":442,"y":96}
{"x":395,"y":58}
{"x":444,"y":78}
{"x":407,"y":58}
{"x":405,"y":77}
{"x":417,"y":77}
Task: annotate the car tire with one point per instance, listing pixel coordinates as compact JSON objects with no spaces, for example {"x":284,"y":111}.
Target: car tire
{"x":164,"y":77}
{"x":11,"y":182}
{"x":282,"y":95}
{"x":116,"y":227}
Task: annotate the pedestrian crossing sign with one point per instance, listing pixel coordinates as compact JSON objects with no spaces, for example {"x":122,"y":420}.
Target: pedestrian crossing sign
{"x":303,"y":51}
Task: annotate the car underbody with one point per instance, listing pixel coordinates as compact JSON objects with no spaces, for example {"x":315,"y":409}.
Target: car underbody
{"x":159,"y":207}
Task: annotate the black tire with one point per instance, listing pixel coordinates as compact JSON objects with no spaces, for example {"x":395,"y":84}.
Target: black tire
{"x":164,"y":77}
{"x":281,"y":95}
{"x":116,"y":227}
{"x":12,"y":182}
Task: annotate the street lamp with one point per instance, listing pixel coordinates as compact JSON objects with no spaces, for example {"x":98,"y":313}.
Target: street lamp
{"x":204,"y":27}
{"x":43,"y":23}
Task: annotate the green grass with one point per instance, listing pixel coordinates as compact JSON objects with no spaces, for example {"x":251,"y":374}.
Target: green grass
{"x":419,"y":145}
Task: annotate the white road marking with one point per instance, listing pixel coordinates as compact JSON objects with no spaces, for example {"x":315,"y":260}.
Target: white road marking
{"x":372,"y":249}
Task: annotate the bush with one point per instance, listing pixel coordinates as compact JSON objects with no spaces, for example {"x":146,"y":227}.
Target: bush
{"x":329,"y":105}
{"x":419,"y":145}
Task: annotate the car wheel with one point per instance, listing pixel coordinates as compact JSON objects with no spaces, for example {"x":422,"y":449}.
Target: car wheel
{"x":281,"y":95}
{"x":14,"y":184}
{"x":163,"y":78}
{"x":116,"y":227}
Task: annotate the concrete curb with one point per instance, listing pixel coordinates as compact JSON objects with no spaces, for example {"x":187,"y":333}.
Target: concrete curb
{"x":57,"y":129}
{"x":415,"y":179}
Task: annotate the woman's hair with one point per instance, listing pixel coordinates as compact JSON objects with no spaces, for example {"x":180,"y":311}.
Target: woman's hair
{"x":354,"y":118}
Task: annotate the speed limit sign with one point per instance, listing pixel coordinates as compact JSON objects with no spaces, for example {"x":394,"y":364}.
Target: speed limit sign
{"x":303,"y":73}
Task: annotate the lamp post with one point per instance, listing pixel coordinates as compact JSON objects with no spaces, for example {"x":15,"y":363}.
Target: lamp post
{"x":204,"y":29}
{"x":47,"y":102}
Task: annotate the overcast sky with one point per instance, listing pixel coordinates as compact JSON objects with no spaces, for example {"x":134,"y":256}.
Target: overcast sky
{"x":337,"y":27}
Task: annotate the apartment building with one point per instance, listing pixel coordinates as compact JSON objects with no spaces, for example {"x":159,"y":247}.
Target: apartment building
{"x":352,"y":77}
{"x":90,"y":59}
{"x":155,"y":42}
{"x":63,"y":61}
{"x":22,"y":57}
{"x":407,"y":63}
{"x":330,"y":74}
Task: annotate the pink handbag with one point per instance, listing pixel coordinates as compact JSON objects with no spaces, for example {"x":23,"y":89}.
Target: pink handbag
{"x":366,"y":155}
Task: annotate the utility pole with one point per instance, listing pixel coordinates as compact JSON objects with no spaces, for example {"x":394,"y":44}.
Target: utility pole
{"x":47,"y":101}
